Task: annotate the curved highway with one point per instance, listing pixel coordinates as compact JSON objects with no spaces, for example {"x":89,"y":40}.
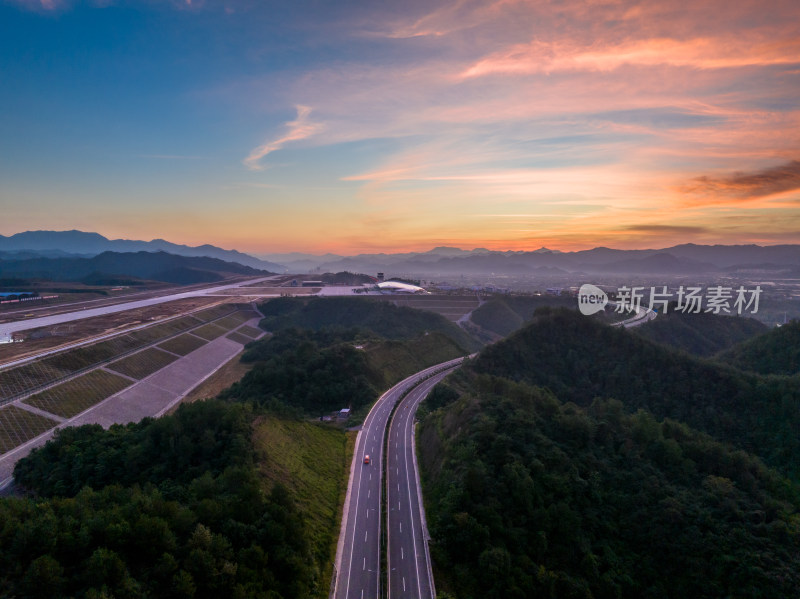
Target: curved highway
{"x":359,"y":556}
{"x":408,"y":559}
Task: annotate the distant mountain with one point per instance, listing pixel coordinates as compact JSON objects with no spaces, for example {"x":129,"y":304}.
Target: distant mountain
{"x":156,"y":266}
{"x":681,"y":259}
{"x":660,"y":263}
{"x":91,"y":244}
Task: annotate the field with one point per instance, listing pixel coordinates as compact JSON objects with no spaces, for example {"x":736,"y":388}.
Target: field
{"x":143,"y":363}
{"x":29,"y":377}
{"x":185,"y":344}
{"x":234,"y":320}
{"x":75,"y":396}
{"x":18,"y":425}
{"x":312,"y":461}
{"x":52,"y":337}
{"x":209,"y":331}
{"x":249,"y":331}
{"x":239,"y":338}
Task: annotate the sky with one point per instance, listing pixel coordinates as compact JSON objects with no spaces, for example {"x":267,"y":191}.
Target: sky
{"x":353,"y":126}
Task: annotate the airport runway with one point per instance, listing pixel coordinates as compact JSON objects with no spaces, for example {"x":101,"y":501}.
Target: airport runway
{"x":6,"y":329}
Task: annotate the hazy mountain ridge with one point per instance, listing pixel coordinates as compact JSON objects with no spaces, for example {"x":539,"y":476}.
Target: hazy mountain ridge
{"x":679,"y":259}
{"x":85,"y":244}
{"x":157,"y":266}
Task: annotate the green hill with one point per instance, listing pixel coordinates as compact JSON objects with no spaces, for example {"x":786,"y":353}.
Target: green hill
{"x":774,"y":352}
{"x":379,"y":317}
{"x":173,"y":507}
{"x":312,"y":373}
{"x":503,"y":315}
{"x":699,"y":334}
{"x":531,"y":496}
{"x":579,"y":359}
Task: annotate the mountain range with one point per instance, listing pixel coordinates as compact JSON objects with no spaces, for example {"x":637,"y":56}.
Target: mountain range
{"x":684,"y":259}
{"x":108,"y":268}
{"x":679,"y":259}
{"x":62,"y":244}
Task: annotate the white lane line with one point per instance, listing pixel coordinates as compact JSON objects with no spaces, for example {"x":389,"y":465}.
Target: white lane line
{"x":364,"y":567}
{"x":367,"y":513}
{"x":404,"y":584}
{"x":369,"y":492}
{"x":402,"y":554}
{"x":365,"y":538}
{"x":401,"y":527}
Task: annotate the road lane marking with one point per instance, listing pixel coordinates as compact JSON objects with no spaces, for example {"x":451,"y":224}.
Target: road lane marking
{"x":364,"y":567}
{"x":402,"y":554}
{"x":365,"y":538}
{"x":404,"y":584}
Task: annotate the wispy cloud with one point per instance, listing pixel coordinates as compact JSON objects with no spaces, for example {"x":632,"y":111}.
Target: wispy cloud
{"x":300,"y":128}
{"x":700,"y":53}
{"x":668,"y":229}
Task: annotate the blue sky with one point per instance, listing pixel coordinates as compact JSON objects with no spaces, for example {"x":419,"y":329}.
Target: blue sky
{"x":362,"y":126}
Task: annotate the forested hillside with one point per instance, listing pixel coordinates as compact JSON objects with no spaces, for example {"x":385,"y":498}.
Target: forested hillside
{"x":699,"y":334}
{"x":305,"y":372}
{"x":579,"y":359}
{"x":503,"y":315}
{"x":529,"y":495}
{"x":172,"y":507}
{"x":775,"y":352}
{"x":379,"y":317}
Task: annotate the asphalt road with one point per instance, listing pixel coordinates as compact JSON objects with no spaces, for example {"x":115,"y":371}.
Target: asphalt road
{"x":6,"y":329}
{"x":358,"y":565}
{"x":408,"y":559}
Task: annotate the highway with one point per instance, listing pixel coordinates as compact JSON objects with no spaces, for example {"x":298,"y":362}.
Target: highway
{"x":408,"y":559}
{"x":359,"y":556}
{"x":6,"y":329}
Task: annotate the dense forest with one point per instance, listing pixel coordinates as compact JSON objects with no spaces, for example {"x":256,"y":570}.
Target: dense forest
{"x":700,"y":334}
{"x":164,"y":508}
{"x":579,"y":359}
{"x":502,"y":315}
{"x":775,"y":352}
{"x":378,"y":317}
{"x":334,"y":353}
{"x":300,"y":372}
{"x":305,"y":372}
{"x":532,"y":496}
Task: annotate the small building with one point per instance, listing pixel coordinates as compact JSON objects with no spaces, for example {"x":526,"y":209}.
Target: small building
{"x":343,"y":414}
{"x":313,"y":284}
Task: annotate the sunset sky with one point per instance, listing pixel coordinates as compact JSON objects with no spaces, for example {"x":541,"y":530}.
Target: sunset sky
{"x":363,"y":126}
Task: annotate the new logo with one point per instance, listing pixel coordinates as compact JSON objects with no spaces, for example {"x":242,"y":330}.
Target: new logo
{"x":591,"y":299}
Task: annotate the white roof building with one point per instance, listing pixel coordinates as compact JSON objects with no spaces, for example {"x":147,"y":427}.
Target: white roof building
{"x":398,"y":287}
